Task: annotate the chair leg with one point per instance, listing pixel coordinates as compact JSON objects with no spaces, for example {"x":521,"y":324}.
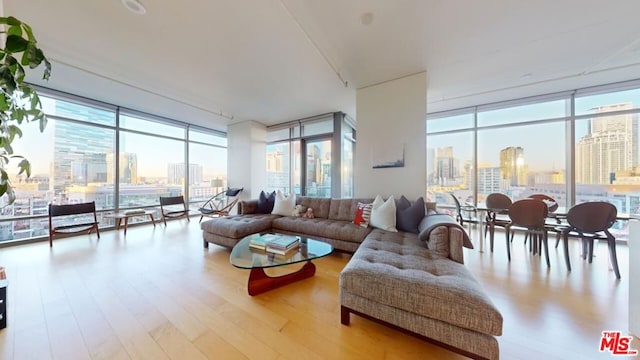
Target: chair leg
{"x":506,"y":231}
{"x":613,"y":256}
{"x":565,"y":243}
{"x":201,"y":216}
{"x":590,"y":254}
{"x":545,"y":244}
{"x":491,"y":231}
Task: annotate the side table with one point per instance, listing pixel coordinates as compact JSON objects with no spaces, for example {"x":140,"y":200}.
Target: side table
{"x":119,"y":216}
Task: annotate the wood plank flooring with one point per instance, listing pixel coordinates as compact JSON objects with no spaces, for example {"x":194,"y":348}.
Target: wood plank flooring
{"x":158,"y":294}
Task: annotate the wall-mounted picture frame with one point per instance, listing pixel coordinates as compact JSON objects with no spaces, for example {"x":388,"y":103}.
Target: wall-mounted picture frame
{"x":388,"y":156}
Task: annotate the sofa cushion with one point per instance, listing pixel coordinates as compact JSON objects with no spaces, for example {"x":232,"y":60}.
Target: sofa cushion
{"x":266,"y":202}
{"x":409,"y":215}
{"x":320,"y":206}
{"x":345,"y":209}
{"x":396,"y":270}
{"x":363,"y":215}
{"x":284,"y":204}
{"x":383,"y":214}
{"x":238,"y":226}
{"x":332,"y":229}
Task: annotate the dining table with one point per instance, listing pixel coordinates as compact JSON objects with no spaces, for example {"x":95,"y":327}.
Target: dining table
{"x":555,"y":218}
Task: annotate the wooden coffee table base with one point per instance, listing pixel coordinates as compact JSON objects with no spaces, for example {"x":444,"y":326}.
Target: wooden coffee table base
{"x":260,"y":282}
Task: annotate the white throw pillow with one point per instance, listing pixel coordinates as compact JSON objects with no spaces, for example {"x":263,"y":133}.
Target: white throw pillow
{"x":383,"y":214}
{"x":284,"y":205}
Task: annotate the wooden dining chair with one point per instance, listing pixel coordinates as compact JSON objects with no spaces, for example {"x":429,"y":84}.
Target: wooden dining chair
{"x":530,"y":215}
{"x":591,"y":221}
{"x":497,"y":208}
{"x":552,"y":204}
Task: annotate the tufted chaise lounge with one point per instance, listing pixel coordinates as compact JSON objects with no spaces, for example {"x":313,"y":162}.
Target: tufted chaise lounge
{"x":394,"y":279}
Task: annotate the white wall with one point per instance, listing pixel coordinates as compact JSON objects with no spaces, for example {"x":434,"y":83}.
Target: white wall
{"x":247,"y":157}
{"x":390,"y":115}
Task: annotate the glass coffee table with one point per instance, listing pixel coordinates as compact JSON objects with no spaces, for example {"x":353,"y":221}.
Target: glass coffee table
{"x":245,"y":257}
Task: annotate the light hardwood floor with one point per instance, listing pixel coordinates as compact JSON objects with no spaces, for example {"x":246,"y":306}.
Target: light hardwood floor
{"x":157,"y":294}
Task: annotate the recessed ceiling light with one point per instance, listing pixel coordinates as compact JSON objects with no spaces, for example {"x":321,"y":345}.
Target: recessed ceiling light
{"x":134,"y":6}
{"x":366,"y":18}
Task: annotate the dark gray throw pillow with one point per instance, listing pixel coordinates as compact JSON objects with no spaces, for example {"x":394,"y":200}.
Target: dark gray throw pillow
{"x":266,"y":202}
{"x":408,"y":216}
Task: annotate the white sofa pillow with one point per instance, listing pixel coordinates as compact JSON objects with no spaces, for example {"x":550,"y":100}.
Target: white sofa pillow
{"x":383,"y":214}
{"x":284,"y":205}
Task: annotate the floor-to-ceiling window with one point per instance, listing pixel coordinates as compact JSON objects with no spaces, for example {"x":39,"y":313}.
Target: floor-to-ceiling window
{"x":119,"y":158}
{"x":575,"y":146}
{"x":207,"y":164}
{"x":311,"y":156}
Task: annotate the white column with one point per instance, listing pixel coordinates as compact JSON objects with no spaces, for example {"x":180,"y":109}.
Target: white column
{"x":247,"y":157}
{"x":391,"y":116}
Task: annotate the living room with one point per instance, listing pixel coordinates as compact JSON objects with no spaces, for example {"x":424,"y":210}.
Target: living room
{"x":265,"y":67}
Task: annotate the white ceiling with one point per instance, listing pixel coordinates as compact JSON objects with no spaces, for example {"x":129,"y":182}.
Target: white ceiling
{"x":216,"y":62}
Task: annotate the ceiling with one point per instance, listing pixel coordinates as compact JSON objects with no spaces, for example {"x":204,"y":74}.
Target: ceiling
{"x":217,"y":62}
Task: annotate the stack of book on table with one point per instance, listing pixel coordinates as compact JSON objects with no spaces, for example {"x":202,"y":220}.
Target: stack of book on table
{"x":283,"y":245}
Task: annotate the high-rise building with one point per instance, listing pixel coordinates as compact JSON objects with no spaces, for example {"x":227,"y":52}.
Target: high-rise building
{"x":610,"y":146}
{"x":512,"y":166}
{"x":128,"y":164}
{"x":176,"y":173}
{"x":445,"y":165}
{"x":489,"y":180}
{"x":75,"y":145}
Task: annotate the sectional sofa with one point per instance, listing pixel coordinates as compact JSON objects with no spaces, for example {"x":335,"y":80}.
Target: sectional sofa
{"x":412,"y":281}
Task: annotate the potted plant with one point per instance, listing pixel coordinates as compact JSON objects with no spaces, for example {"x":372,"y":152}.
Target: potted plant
{"x":19,"y":101}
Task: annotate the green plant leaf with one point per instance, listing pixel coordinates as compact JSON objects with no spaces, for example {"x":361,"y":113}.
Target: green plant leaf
{"x":4,"y":177}
{"x":25,"y":167}
{"x":47,"y":69}
{"x":43,"y":122}
{"x":16,"y":44}
{"x":3,"y":187}
{"x":37,"y":59}
{"x":13,"y":21}
{"x":15,"y":30}
{"x":4,"y":102}
{"x":11,"y":194}
{"x":7,"y":147}
{"x":29,"y":32}
{"x":13,"y":131}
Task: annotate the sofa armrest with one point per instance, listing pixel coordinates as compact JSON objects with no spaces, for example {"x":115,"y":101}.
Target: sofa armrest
{"x":247,"y":207}
{"x":455,"y":245}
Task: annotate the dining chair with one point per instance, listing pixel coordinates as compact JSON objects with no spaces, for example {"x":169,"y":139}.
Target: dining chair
{"x":591,"y":221}
{"x":465,"y":214}
{"x":552,"y":204}
{"x":529,"y":215}
{"x":497,"y":205}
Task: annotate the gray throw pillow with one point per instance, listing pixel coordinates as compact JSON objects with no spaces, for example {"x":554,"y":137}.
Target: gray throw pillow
{"x":408,"y":215}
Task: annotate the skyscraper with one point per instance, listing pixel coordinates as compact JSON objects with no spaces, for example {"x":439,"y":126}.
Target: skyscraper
{"x":77,"y":145}
{"x":445,"y":169}
{"x":128,"y":164}
{"x":512,"y":166}
{"x":610,"y":146}
{"x":176,"y":173}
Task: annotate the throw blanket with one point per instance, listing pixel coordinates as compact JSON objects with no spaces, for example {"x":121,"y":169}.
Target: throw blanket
{"x":432,"y":221}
